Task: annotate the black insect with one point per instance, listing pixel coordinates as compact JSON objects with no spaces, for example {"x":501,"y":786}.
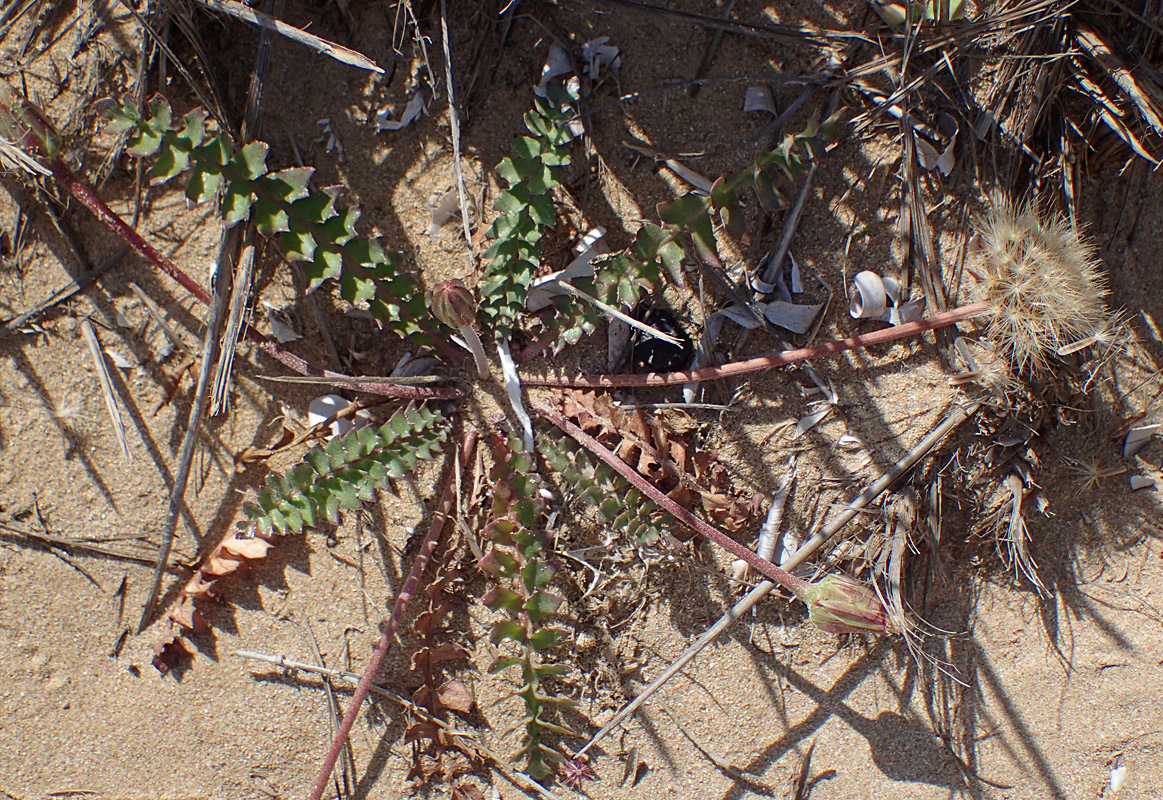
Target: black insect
{"x":656,"y":355}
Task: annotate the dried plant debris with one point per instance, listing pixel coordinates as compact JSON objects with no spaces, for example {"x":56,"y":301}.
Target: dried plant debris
{"x":667,"y":457}
{"x":438,"y":756}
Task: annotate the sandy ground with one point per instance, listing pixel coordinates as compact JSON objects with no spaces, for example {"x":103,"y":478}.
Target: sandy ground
{"x":1036,"y":697}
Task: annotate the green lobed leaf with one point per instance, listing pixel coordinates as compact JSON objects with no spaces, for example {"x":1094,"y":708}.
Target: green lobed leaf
{"x":509,"y":630}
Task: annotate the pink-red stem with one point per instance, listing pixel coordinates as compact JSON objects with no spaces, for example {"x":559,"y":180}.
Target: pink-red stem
{"x":431,"y":539}
{"x":762,"y":565}
{"x":760,"y":363}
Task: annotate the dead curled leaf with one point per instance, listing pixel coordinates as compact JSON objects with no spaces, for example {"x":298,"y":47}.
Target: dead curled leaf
{"x":455,"y":696}
{"x":667,"y":457}
{"x":233,"y":554}
{"x":170,"y":653}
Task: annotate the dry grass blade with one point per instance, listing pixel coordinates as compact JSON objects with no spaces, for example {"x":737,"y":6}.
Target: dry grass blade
{"x":208,"y":94}
{"x":454,"y":126}
{"x":82,"y":282}
{"x":1097,"y":48}
{"x":106,"y":386}
{"x":220,"y":398}
{"x":214,"y":324}
{"x":247,"y":14}
{"x":73,"y":547}
{"x":609,"y":310}
{"x":12,"y":157}
{"x":924,"y":256}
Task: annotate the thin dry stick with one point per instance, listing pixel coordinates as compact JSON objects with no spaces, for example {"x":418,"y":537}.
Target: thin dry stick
{"x":439,"y":520}
{"x":215,"y":321}
{"x":338,"y":52}
{"x":761,"y":363}
{"x":74,"y":547}
{"x":782,"y":577}
{"x":951,"y":421}
{"x":454,"y":125}
{"x":106,"y":386}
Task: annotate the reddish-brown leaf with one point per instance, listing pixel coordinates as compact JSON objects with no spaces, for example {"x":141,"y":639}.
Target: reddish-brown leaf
{"x":254,"y":547}
{"x":170,"y":653}
{"x":454,"y":695}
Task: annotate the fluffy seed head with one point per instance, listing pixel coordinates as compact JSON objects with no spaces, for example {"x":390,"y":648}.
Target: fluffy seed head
{"x":1043,"y":281}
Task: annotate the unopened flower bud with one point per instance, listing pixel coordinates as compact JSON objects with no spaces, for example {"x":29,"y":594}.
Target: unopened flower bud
{"x":840,"y":605}
{"x":453,"y":304}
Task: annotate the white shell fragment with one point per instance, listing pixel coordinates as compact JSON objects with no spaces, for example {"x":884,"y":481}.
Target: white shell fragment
{"x":411,"y":113}
{"x":543,"y":290}
{"x":758,"y":98}
{"x":556,"y":65}
{"x":600,"y":54}
{"x":1137,"y":438}
{"x":1141,"y":482}
{"x":1118,"y":777}
{"x":324,"y":407}
{"x":877,"y":297}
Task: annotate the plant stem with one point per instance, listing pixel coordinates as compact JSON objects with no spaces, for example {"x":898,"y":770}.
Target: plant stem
{"x":478,"y":350}
{"x":761,"y":565}
{"x":955,"y":417}
{"x":439,"y":520}
{"x":760,"y":363}
{"x":89,"y":199}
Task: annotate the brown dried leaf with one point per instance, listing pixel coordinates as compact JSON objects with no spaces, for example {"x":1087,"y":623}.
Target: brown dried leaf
{"x":170,"y":653}
{"x":221,"y":563}
{"x":421,"y":730}
{"x":187,"y":615}
{"x":455,"y":696}
{"x":253,"y":548}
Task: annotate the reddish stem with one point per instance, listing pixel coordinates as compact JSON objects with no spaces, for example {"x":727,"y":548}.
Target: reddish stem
{"x":89,"y":199}
{"x":439,"y":520}
{"x":769,"y":570}
{"x":760,"y":363}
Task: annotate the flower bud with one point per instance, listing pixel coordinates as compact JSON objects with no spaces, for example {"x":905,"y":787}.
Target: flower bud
{"x":453,"y":304}
{"x":841,"y":605}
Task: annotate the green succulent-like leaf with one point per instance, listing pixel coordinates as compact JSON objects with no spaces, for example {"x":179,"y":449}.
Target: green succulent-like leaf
{"x":346,"y":472}
{"x":597,"y":485}
{"x":539,"y":606}
{"x":281,"y":203}
{"x":526,"y":210}
{"x":508,"y":630}
{"x":692,"y":214}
